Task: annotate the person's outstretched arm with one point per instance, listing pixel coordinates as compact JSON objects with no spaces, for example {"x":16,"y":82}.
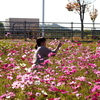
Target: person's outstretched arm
{"x":57,"y":48}
{"x":46,"y":51}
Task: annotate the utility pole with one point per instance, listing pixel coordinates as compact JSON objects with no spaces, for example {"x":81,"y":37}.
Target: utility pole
{"x":43,"y":7}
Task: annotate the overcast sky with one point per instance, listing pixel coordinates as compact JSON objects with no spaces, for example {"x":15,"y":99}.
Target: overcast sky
{"x":55,"y":10}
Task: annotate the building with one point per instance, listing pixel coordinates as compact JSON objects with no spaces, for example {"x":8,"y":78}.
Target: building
{"x":22,"y":26}
{"x":21,"y":23}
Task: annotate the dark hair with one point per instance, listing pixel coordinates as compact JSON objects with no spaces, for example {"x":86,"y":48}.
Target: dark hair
{"x":38,"y":41}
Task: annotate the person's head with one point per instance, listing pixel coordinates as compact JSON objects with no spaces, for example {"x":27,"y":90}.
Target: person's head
{"x":41,"y":41}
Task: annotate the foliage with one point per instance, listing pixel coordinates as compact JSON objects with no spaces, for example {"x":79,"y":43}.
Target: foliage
{"x":80,"y":6}
{"x":1,"y":24}
{"x":77,"y":6}
{"x":72,"y":74}
{"x":93,"y":14}
{"x":2,"y":29}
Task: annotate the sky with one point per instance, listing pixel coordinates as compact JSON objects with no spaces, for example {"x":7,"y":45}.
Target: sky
{"x":55,"y":10}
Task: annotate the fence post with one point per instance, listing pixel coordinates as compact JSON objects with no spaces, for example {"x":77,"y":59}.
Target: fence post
{"x":72,"y":31}
{"x":25,"y":31}
{"x":13,"y":29}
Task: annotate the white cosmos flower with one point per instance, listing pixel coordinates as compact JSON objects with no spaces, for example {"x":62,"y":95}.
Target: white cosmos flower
{"x":37,"y":82}
{"x":44,"y":93}
{"x":22,"y":64}
{"x":28,"y":69}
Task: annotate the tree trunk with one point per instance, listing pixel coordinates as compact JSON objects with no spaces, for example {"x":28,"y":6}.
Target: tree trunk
{"x":82,"y":27}
{"x":82,"y":11}
{"x":81,"y":19}
{"x":93,"y":25}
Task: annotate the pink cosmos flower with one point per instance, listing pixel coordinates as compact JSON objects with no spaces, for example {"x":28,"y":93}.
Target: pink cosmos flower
{"x":19,"y":77}
{"x":97,"y":72}
{"x":75,"y":92}
{"x":78,"y":94}
{"x":79,"y":44}
{"x":8,"y":85}
{"x":7,"y":95}
{"x":65,"y":68}
{"x":72,"y":67}
{"x":32,"y":98}
{"x":95,"y":88}
{"x":95,"y":96}
{"x":63,"y":91}
{"x":76,"y":86}
{"x":29,"y":93}
{"x":47,"y":61}
{"x":11,"y":59}
{"x":1,"y":75}
{"x":92,"y":65}
{"x":9,"y":77}
{"x":70,"y":61}
{"x":53,"y":83}
{"x":8,"y":33}
{"x":1,"y":61}
{"x":89,"y":83}
{"x":39,"y":55}
{"x":38,"y":94}
{"x":1,"y":54}
{"x":97,"y":82}
{"x":60,"y":83}
{"x":62,"y":79}
{"x":51,"y":54}
{"x":23,"y":57}
{"x":16,"y":84}
{"x":72,"y":83}
{"x":81,"y":78}
{"x":53,"y":89}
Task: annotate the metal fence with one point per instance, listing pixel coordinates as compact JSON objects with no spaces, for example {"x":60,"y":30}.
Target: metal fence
{"x":31,"y":30}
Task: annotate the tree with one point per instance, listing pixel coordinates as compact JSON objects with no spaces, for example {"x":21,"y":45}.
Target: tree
{"x":80,"y":6}
{"x":93,"y":15}
{"x":1,"y":28}
{"x":1,"y":25}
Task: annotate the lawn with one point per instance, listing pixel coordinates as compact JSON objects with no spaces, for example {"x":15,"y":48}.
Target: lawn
{"x":72,"y":74}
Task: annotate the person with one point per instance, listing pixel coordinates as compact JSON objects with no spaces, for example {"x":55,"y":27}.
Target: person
{"x":41,"y":53}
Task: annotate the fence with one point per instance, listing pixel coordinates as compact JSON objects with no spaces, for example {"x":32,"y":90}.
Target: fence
{"x":51,"y":29}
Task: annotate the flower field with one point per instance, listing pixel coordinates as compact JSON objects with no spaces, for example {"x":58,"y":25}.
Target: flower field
{"x":72,"y":74}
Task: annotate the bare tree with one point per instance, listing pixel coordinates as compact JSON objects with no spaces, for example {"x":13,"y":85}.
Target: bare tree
{"x":80,"y":6}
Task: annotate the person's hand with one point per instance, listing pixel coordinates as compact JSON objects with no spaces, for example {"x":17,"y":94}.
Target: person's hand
{"x":59,"y":45}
